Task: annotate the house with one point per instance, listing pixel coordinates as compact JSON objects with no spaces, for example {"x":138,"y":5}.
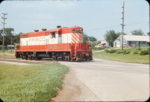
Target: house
{"x":132,"y":41}
{"x":98,"y":45}
{"x":103,"y":44}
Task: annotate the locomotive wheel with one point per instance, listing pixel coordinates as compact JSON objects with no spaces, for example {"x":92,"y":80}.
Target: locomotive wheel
{"x":72,"y":60}
{"x":26,"y":57}
{"x":34,"y":58}
{"x":38,"y":58}
{"x":77,"y":60}
{"x":22,"y":56}
{"x":29,"y":57}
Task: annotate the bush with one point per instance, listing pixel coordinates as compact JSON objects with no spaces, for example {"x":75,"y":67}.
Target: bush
{"x":138,"y":48}
{"x":99,"y":48}
{"x":126,"y":52}
{"x":107,"y":51}
{"x":110,"y":51}
{"x":135,"y":52}
{"x":119,"y":52}
{"x":144,"y":52}
{"x":148,"y":49}
{"x":123,"y":52}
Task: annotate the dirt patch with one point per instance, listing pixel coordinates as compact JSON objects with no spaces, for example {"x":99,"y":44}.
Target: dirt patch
{"x":14,"y":63}
{"x":44,"y":61}
{"x":74,"y":90}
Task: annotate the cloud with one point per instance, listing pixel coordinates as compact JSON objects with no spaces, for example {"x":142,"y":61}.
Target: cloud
{"x":42,"y":16}
{"x":38,"y":18}
{"x":44,"y":4}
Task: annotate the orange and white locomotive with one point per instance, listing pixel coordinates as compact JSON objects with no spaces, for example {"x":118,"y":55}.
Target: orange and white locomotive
{"x":62,"y":43}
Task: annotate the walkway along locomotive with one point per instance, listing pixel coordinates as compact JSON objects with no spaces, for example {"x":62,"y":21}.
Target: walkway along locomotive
{"x":62,"y":43}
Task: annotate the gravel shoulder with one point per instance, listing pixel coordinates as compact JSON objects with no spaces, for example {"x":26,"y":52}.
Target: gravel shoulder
{"x":74,"y":90}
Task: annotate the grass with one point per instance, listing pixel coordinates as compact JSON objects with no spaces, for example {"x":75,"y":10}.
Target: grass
{"x":33,"y":83}
{"x":133,"y":58}
{"x":7,"y":54}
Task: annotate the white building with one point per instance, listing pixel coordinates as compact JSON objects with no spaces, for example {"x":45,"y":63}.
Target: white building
{"x":132,"y":41}
{"x":98,"y":45}
{"x":103,"y":44}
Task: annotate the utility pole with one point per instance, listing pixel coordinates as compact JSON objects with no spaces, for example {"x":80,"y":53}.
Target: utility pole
{"x":122,"y":25}
{"x":3,"y":33}
{"x":149,"y":14}
{"x":11,"y":42}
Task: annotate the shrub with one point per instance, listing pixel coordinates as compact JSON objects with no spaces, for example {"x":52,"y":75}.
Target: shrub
{"x":138,"y":48}
{"x":123,"y":52}
{"x":110,"y":51}
{"x":135,"y":52}
{"x":119,"y":52}
{"x":144,"y":52}
{"x":148,"y":49}
{"x":126,"y":52}
{"x":99,"y":48}
{"x":106,"y":50}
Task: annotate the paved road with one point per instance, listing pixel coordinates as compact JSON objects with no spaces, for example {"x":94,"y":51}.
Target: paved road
{"x":112,"y":81}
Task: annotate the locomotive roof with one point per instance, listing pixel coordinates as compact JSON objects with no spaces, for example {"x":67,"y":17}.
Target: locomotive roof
{"x":46,"y":32}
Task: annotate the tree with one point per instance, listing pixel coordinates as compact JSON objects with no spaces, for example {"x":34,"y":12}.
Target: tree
{"x":16,"y":38}
{"x":148,"y":33}
{"x":8,"y":35}
{"x":85,"y":38}
{"x":120,"y":33}
{"x":91,"y":38}
{"x":97,"y":42}
{"x":137,"y":32}
{"x":88,"y":38}
{"x":110,"y":37}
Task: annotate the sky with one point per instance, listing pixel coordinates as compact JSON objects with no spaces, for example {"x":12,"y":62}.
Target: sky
{"x":95,"y":16}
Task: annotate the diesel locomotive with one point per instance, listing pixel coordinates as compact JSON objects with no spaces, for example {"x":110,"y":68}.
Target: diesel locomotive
{"x":61,"y":43}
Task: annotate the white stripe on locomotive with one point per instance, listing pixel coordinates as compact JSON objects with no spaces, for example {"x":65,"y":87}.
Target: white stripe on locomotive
{"x":44,"y":40}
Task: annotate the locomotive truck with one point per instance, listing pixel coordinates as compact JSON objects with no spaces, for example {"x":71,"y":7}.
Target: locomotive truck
{"x":62,"y":43}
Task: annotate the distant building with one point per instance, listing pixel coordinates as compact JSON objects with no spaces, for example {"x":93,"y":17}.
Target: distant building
{"x":98,"y":45}
{"x":132,"y":41}
{"x":104,"y":43}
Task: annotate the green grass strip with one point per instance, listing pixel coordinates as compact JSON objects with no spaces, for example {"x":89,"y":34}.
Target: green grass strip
{"x":131,"y":58}
{"x":33,"y":83}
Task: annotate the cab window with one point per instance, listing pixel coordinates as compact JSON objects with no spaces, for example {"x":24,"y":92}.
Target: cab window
{"x":53,"y":35}
{"x":59,"y":35}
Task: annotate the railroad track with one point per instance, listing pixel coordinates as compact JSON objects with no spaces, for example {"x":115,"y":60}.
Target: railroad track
{"x":44,"y":61}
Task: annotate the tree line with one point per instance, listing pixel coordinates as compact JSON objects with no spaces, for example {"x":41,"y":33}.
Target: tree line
{"x":109,"y":36}
{"x":9,"y":37}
